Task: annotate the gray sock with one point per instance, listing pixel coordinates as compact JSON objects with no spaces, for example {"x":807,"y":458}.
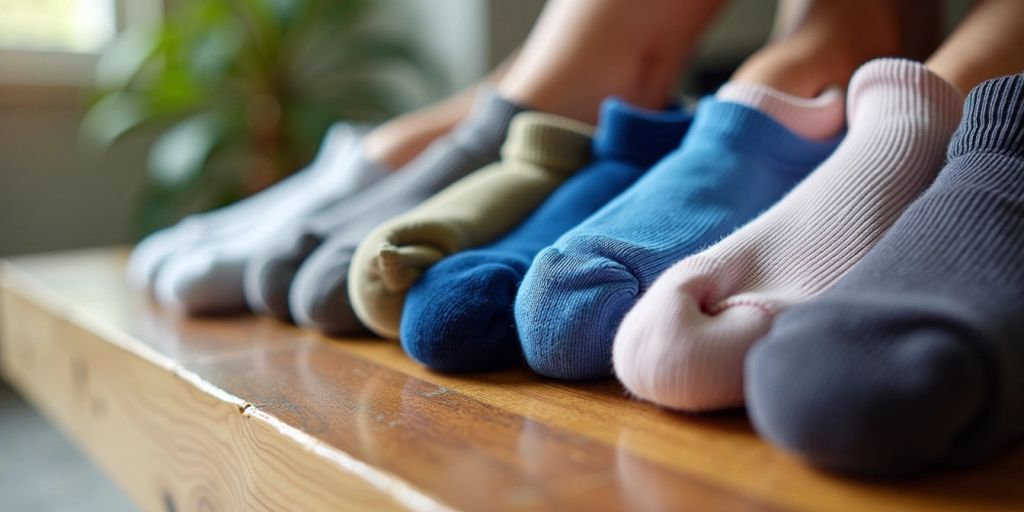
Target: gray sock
{"x":269,"y":277}
{"x":916,"y":357}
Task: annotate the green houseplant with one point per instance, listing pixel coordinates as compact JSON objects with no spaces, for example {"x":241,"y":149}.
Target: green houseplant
{"x":236,"y":94}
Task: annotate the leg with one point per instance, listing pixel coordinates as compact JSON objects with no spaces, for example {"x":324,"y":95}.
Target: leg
{"x":830,"y":40}
{"x":396,"y":142}
{"x":581,"y":51}
{"x":921,"y":24}
{"x":987,"y":44}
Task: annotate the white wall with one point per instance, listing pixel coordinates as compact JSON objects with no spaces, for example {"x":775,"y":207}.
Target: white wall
{"x":452,"y":31}
{"x":51,"y":195}
{"x":469,"y":37}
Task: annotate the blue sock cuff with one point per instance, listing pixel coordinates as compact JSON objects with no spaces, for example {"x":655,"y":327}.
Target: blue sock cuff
{"x":724,"y":122}
{"x":993,"y":119}
{"x":636,"y":135}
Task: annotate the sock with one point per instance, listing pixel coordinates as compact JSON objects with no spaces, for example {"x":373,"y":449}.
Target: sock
{"x":914,"y":358}
{"x":206,"y":277}
{"x":733,"y":163}
{"x":304,"y":275}
{"x":542,"y":150}
{"x":683,"y":344}
{"x":458,"y":316}
{"x":337,"y":149}
{"x":811,"y":118}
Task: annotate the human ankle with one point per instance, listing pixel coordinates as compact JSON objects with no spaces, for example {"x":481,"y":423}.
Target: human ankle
{"x":832,"y":40}
{"x":396,"y":142}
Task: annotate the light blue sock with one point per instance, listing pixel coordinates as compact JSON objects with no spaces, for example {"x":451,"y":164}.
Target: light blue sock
{"x":734,"y":163}
{"x":458,"y":317}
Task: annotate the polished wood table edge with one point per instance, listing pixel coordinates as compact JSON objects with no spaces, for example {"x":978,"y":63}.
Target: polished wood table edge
{"x":712,"y":460}
{"x":12,"y":280}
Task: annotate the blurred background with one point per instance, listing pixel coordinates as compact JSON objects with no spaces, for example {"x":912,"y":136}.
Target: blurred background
{"x":120,"y":116}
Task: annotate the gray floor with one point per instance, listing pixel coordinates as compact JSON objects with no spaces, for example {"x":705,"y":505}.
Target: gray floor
{"x":40,"y":470}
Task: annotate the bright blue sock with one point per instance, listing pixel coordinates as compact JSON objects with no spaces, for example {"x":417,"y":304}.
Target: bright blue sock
{"x":734,"y":163}
{"x":458,"y":316}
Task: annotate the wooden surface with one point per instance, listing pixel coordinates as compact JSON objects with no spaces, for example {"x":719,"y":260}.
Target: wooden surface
{"x":247,"y":413}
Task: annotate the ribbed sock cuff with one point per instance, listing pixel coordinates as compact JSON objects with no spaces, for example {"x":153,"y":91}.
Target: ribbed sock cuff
{"x":550,"y":141}
{"x":637,"y":135}
{"x":817,"y":118}
{"x":488,"y":121}
{"x":365,"y":171}
{"x":993,"y":119}
{"x":749,"y":129}
{"x":887,"y":88}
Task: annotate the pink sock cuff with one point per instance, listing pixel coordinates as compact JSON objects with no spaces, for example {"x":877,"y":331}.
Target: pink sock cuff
{"x":904,"y":88}
{"x":818,"y":118}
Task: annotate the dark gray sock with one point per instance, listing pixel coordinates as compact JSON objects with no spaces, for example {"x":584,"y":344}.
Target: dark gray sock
{"x":916,"y":357}
{"x":319,"y":291}
{"x":475,"y":143}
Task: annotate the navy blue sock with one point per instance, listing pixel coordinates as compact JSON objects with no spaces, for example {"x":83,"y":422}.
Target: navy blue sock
{"x":915,"y":357}
{"x":734,"y":163}
{"x":458,"y":317}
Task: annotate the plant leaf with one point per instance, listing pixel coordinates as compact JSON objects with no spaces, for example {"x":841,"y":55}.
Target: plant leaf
{"x":180,"y":153}
{"x":112,"y":116}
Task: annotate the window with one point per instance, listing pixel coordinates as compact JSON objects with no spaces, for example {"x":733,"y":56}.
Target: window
{"x":55,"y":42}
{"x":80,"y":26}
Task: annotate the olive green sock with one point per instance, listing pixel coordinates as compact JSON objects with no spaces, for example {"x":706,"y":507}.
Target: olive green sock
{"x":541,"y":152}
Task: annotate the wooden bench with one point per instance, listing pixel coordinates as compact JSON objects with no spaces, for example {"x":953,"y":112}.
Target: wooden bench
{"x":247,"y":413}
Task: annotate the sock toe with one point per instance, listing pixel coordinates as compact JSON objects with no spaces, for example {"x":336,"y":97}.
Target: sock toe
{"x":680,"y":350}
{"x":567,"y":312}
{"x":400,"y":266}
{"x":269,"y":276}
{"x":144,"y":262}
{"x":152,"y":252}
{"x":885,"y":402}
{"x":318,"y":298}
{"x":201,"y":283}
{"x":463,"y":322}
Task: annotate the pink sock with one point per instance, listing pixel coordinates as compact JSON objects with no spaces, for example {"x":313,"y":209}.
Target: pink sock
{"x":818,"y":118}
{"x":682,"y":346}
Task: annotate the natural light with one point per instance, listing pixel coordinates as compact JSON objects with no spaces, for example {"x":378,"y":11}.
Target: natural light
{"x":80,"y":26}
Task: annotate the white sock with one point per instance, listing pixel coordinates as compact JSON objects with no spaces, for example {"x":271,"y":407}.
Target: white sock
{"x":195,"y":266}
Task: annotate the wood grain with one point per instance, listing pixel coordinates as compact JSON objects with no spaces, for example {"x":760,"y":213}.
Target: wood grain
{"x":170,"y":439}
{"x":248,"y":413}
